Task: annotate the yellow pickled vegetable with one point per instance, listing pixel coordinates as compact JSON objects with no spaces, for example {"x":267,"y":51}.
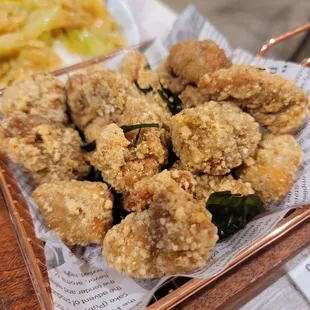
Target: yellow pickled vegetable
{"x":29,"y":28}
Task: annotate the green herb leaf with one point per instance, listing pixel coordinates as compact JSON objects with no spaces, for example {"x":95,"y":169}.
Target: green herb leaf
{"x":144,"y":90}
{"x":173,"y":100}
{"x":261,"y":68}
{"x":137,"y":137}
{"x":147,"y":67}
{"x":93,"y":175}
{"x":88,"y":146}
{"x":231,"y":212}
{"x":127,"y":128}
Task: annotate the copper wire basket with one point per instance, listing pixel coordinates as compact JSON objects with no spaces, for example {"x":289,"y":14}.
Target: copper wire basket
{"x":174,"y":290}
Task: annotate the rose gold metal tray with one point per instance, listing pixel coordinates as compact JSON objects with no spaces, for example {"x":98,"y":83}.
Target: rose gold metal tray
{"x":174,"y":290}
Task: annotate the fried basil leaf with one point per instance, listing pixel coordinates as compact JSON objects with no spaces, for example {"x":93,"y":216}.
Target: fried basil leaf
{"x":173,"y":100}
{"x":144,"y":90}
{"x":88,"y":146}
{"x":93,"y":175}
{"x":127,"y":128}
{"x":231,"y":212}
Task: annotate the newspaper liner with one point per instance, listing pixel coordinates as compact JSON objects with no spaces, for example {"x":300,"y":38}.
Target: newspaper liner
{"x":83,"y":281}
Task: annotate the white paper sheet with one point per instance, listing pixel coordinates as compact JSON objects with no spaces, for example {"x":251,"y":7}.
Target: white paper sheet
{"x":83,"y":280}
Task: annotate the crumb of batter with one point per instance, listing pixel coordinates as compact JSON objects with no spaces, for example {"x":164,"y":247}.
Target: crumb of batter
{"x":79,"y":212}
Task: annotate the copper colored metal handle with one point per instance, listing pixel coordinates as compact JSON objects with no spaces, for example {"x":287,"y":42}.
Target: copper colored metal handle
{"x":306,"y":62}
{"x":283,"y":37}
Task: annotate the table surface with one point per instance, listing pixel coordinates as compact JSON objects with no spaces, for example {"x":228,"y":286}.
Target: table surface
{"x":230,"y":292}
{"x":16,"y":290}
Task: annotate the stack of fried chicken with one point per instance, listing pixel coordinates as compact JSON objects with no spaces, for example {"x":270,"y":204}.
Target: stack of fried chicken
{"x":199,"y":107}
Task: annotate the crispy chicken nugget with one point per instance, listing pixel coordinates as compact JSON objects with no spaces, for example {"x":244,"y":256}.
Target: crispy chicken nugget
{"x":214,"y":138}
{"x":278,"y":104}
{"x":79,"y":212}
{"x":142,"y":193}
{"x":41,"y":94}
{"x":133,"y":64}
{"x":192,"y":97}
{"x":49,"y":151}
{"x":139,"y":111}
{"x":191,"y":59}
{"x":98,"y":91}
{"x":123,"y":162}
{"x":137,"y":70}
{"x":135,"y":67}
{"x":272,"y":170}
{"x":93,"y":129}
{"x":208,"y":184}
{"x":174,"y":235}
{"x":202,"y":186}
{"x":168,"y":79}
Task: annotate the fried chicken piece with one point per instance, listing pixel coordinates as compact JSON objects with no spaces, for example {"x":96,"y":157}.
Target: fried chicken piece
{"x":98,"y":91}
{"x":133,"y":64}
{"x":202,"y":186}
{"x":192,"y":97}
{"x":49,"y":151}
{"x":92,"y":131}
{"x":278,"y":104}
{"x":191,"y":59}
{"x":41,"y":94}
{"x":79,"y":212}
{"x":101,"y":92}
{"x":168,"y":79}
{"x":174,"y":235}
{"x":136,"y":69}
{"x":160,"y":108}
{"x":142,"y":193}
{"x":123,"y":161}
{"x":208,"y":184}
{"x":148,"y":108}
{"x":272,"y":170}
{"x":214,"y":138}
{"x":139,"y":111}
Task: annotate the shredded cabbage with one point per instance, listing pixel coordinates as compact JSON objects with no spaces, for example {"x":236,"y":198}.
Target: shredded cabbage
{"x":86,"y":42}
{"x":28,"y":29}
